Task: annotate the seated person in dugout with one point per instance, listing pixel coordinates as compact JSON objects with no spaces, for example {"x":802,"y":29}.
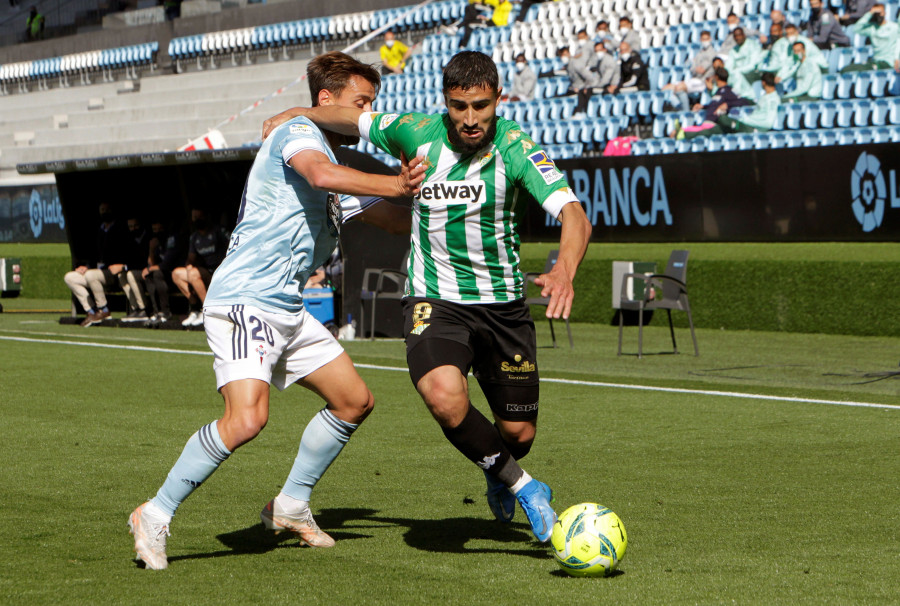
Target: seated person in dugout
{"x":206,"y":249}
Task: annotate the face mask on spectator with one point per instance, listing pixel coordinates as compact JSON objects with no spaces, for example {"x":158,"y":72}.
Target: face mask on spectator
{"x":600,"y":54}
{"x":624,"y":30}
{"x":389,"y":43}
{"x":877,"y":18}
{"x":520,"y":66}
{"x":565,"y":60}
{"x":625,"y":56}
{"x":705,"y":44}
{"x":792,"y":39}
{"x":732,"y":26}
{"x":815,"y":11}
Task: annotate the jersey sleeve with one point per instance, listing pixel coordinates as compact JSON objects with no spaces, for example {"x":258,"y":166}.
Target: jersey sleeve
{"x":396,"y":133}
{"x":534,"y":171}
{"x":352,"y":206}
{"x":297,"y":135}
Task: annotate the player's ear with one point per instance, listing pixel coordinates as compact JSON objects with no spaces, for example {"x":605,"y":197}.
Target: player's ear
{"x":499,"y":93}
{"x":325,"y":97}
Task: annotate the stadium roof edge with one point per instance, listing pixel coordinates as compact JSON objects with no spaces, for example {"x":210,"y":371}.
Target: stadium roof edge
{"x":135,"y":160}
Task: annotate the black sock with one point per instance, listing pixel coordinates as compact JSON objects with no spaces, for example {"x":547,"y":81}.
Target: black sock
{"x":480,"y":442}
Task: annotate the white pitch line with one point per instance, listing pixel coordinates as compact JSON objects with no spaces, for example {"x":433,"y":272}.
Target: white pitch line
{"x":701,"y":392}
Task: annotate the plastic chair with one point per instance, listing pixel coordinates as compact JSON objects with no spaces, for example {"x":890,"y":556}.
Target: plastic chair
{"x":793,"y":112}
{"x":545,"y":301}
{"x":381,"y":284}
{"x":670,"y":290}
{"x":845,"y":111}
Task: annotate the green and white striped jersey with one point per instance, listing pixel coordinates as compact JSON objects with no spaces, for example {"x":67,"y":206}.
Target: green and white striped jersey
{"x":464,"y":243}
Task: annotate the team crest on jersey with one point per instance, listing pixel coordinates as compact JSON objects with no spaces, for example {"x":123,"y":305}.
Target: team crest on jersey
{"x":304,"y":130}
{"x":422,"y":123}
{"x":262,"y":353}
{"x":485,"y":157}
{"x":334,"y":215}
{"x":386,"y":120}
{"x":545,"y":166}
{"x":453,"y":192}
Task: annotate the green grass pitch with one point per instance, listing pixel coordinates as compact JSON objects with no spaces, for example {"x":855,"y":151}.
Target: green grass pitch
{"x":726,"y":499}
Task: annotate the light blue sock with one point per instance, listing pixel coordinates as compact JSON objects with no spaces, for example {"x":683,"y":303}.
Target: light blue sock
{"x":202,"y":455}
{"x":322,"y":441}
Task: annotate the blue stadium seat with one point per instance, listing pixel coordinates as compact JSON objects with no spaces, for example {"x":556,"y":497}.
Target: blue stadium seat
{"x":760,"y":141}
{"x":894,"y":110}
{"x":827,"y":113}
{"x":795,"y":139}
{"x":829,"y":86}
{"x":880,"y":80}
{"x":729,"y":143}
{"x":861,"y":110}
{"x":667,"y":146}
{"x":777,"y":140}
{"x":640,"y":147}
{"x":845,"y":111}
{"x":863,"y":136}
{"x":881,"y":135}
{"x":715,"y":143}
{"x":828,"y":136}
{"x":861,"y":84}
{"x":845,"y":85}
{"x":895,"y":134}
{"x":810,"y":114}
{"x":793,"y":113}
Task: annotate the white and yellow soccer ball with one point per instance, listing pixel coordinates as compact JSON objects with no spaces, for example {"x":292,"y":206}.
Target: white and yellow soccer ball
{"x":588,"y":540}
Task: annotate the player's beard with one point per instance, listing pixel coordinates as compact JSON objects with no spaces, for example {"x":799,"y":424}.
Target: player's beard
{"x":456,"y":139}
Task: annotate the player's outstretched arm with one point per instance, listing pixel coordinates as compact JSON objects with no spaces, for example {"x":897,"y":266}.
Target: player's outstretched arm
{"x":338,"y":119}
{"x":323,"y":174}
{"x":573,"y":242}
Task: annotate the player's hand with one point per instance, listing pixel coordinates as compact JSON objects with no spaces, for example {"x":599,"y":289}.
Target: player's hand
{"x":412,"y":173}
{"x":275,"y":121}
{"x":81,"y":269}
{"x":558,"y":287}
{"x":145,"y":272}
{"x":116,"y":268}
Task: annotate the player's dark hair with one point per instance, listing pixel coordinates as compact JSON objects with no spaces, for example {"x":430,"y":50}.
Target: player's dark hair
{"x":625,"y":18}
{"x":768,"y":78}
{"x":790,"y":26}
{"x":470,"y":69}
{"x":722,"y":74}
{"x":332,"y":72}
{"x":706,"y":32}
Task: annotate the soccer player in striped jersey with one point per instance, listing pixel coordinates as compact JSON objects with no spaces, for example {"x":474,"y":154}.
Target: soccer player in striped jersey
{"x":464,"y":306}
{"x":256,"y":326}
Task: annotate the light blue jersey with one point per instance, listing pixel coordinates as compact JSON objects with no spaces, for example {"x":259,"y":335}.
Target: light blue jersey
{"x":285,"y":229}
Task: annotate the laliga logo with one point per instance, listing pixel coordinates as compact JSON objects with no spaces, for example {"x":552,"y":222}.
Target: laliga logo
{"x":869,"y":192}
{"x":41,"y":212}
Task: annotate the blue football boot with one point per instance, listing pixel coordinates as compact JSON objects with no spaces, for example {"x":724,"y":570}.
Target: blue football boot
{"x":535,"y":500}
{"x":501,"y":501}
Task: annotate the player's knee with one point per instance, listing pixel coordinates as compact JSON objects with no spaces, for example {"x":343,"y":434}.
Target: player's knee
{"x":243,"y":428}
{"x":520,"y":445}
{"x":445,"y":399}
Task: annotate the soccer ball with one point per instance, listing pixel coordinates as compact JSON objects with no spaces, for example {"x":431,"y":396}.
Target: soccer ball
{"x":588,"y":540}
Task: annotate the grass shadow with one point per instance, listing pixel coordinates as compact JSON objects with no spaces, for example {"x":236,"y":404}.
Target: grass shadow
{"x":449,"y":535}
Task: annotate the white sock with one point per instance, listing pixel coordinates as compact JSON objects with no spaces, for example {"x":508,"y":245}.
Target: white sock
{"x":156,"y":513}
{"x":290,"y":505}
{"x":520,"y":484}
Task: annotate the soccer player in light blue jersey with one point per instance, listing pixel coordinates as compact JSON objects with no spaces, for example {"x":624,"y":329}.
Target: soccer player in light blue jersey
{"x":294,"y":202}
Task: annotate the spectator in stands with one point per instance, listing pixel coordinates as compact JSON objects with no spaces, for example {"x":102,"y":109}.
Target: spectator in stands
{"x":581,"y":78}
{"x":500,"y":16}
{"x":854,"y":10}
{"x":608,"y":73}
{"x":524,"y":81}
{"x":780,"y":57}
{"x":475,"y":14}
{"x":633,"y":74}
{"x":701,"y":67}
{"x":166,"y":252}
{"x":804,"y":76}
{"x":734,"y":23}
{"x":627,"y":34}
{"x":393,"y":55}
{"x":723,"y":99}
{"x":776,"y":17}
{"x":562,"y":53}
{"x":138,"y":250}
{"x":206,"y":249}
{"x":742,"y":63}
{"x":823,"y":28}
{"x":602,"y":34}
{"x":34,"y":25}
{"x":523,"y":10}
{"x":760,"y":120}
{"x":776,"y":33}
{"x":885,"y":37}
{"x":92,"y":276}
